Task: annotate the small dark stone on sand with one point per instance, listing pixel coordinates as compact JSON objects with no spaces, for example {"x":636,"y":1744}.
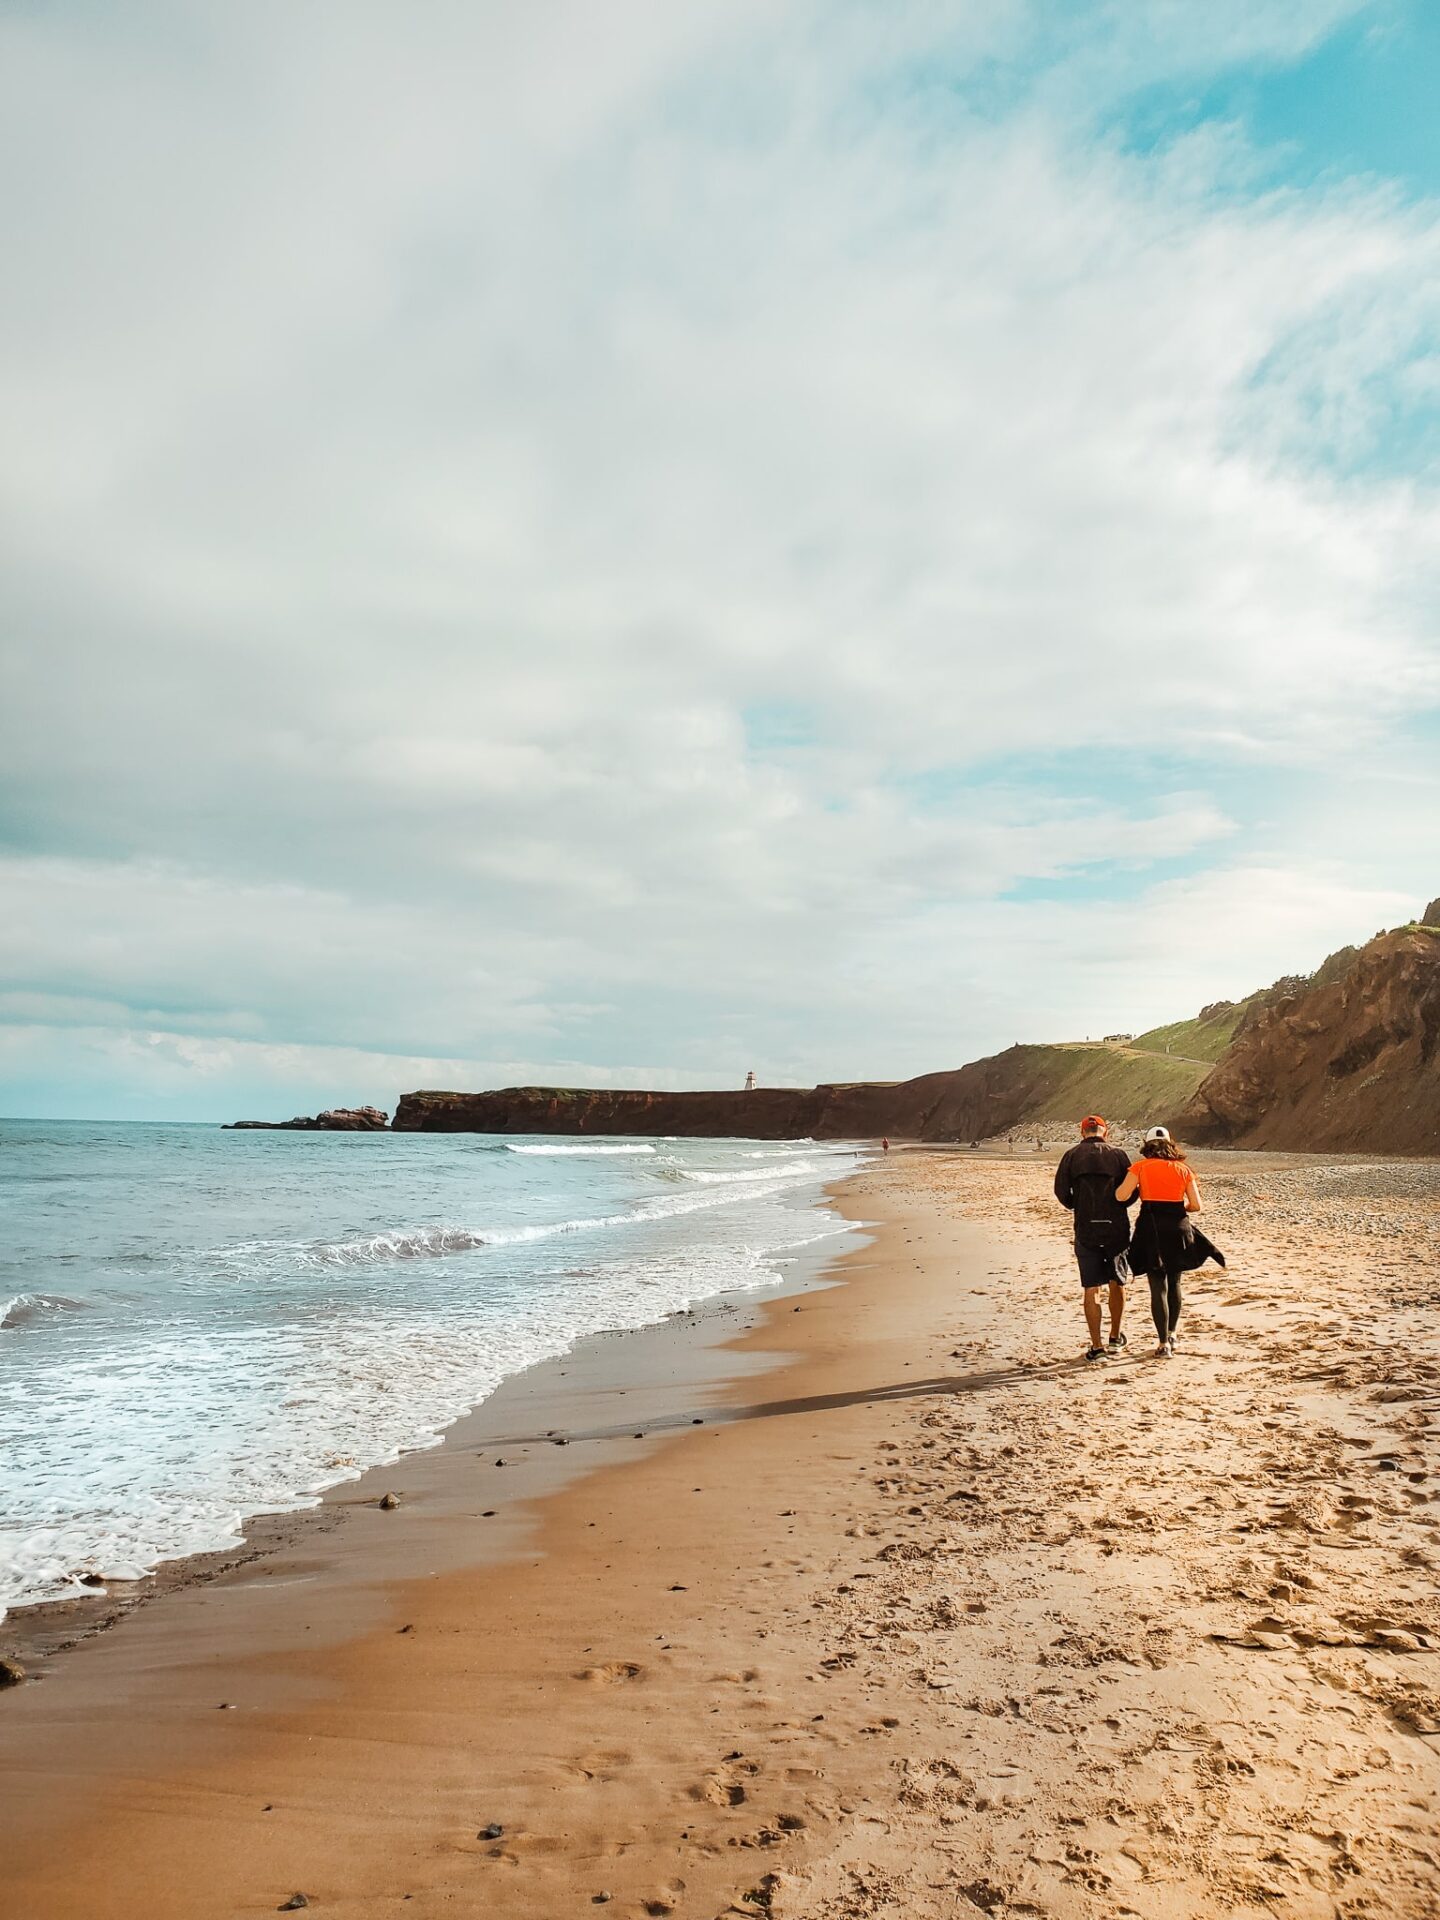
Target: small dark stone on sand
{"x":601,"y":1899}
{"x":697,"y":1423}
{"x":293,"y":1904}
{"x":1388,"y":1466}
{"x":639,"y":1436}
{"x":92,"y":1579}
{"x":227,"y":1706}
{"x":679,"y":1589}
{"x":409,"y":1627}
{"x":488,"y":1514}
{"x":11,"y":1673}
{"x":492,"y":1832}
{"x":562,"y":1443}
{"x":389,"y":1501}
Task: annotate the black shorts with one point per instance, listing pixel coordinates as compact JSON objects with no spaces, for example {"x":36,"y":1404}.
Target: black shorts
{"x":1099,"y":1269}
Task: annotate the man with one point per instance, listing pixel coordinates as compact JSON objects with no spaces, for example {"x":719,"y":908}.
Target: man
{"x":1085,"y":1183}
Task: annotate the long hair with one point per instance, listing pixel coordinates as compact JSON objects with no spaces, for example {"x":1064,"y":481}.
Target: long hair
{"x":1162,"y":1150}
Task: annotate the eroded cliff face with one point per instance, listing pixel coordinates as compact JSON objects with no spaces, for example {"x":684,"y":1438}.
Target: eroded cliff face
{"x":1348,"y":1062}
{"x":1345,"y":1059}
{"x":765,"y":1113}
{"x":967,"y":1103}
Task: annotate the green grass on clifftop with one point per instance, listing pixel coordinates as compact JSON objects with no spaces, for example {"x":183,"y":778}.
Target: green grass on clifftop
{"x":1129,"y":1088}
{"x":1197,"y":1039}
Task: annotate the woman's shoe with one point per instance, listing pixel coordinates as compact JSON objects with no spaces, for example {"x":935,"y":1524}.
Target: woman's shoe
{"x":1162,"y":1352}
{"x":1118,"y":1340}
{"x":1095,"y":1353}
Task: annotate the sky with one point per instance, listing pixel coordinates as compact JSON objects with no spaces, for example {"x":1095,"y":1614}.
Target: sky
{"x":628,"y":541}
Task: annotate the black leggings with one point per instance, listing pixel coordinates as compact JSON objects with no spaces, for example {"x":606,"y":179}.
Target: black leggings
{"x":1165,"y":1302}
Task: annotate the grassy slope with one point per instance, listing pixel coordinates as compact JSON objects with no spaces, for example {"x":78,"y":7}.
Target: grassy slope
{"x":1029,"y":1085}
{"x":1127,"y":1087}
{"x":1196,"y":1039}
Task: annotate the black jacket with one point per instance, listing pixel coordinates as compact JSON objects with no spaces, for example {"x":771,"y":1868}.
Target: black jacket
{"x":1166,"y":1237}
{"x":1085,"y":1182}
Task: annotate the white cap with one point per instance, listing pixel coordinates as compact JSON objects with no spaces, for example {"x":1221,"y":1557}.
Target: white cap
{"x":1158,"y":1133}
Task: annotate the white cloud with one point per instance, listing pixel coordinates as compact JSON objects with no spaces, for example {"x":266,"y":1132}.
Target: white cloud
{"x":430,"y":443}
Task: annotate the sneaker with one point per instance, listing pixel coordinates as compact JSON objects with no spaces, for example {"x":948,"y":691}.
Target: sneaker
{"x":1118,"y":1340}
{"x":1095,"y":1353}
{"x":1162,"y":1352}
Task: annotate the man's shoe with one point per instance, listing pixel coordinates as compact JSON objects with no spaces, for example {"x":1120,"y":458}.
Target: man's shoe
{"x":1095,"y":1353}
{"x":1118,"y":1340}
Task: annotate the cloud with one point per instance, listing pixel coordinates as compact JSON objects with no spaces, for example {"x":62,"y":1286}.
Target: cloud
{"x":427,"y":442}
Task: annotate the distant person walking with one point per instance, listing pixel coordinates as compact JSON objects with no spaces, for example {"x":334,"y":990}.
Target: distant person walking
{"x":1165,"y":1244}
{"x":1085,"y":1183}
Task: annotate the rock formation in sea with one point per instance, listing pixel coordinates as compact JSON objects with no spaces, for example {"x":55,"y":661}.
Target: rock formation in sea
{"x":335,"y":1120}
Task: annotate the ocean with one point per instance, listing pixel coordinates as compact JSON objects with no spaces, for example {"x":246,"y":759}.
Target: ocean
{"x":199,"y":1325}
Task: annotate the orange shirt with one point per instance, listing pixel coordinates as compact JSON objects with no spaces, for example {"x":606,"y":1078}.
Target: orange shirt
{"x":1161,"y":1179}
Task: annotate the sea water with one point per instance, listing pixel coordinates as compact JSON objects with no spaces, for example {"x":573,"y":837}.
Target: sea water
{"x":198,"y":1325}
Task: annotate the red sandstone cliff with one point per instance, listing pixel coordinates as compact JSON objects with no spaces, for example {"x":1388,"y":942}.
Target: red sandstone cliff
{"x":1347,"y":1058}
{"x":764,"y":1113}
{"x":1348,"y":1061}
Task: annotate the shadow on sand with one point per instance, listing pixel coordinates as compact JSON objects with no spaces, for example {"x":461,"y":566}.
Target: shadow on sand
{"x":939,"y":1386}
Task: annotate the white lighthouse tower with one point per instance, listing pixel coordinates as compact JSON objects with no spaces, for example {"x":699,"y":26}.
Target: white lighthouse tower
{"x":750,"y":1081}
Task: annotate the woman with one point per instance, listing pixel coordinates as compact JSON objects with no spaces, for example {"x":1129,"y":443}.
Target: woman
{"x":1164,"y":1242}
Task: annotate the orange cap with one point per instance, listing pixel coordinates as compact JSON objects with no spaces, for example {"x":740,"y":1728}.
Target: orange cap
{"x":1092,"y":1123}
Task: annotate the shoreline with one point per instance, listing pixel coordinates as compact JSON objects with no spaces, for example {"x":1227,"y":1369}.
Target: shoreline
{"x":938,"y":1620}
{"x":662,"y":1366}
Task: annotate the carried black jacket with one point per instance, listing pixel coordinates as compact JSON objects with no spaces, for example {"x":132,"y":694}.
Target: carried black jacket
{"x":1166,"y":1236}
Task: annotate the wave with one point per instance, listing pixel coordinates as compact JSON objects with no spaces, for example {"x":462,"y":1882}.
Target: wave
{"x":435,"y":1242}
{"x":588,"y":1149}
{"x":23,"y":1309}
{"x":793,"y":1169}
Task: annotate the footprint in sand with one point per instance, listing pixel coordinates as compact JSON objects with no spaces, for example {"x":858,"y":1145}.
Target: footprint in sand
{"x":612,"y":1673}
{"x":726,"y":1785}
{"x":602,"y":1766}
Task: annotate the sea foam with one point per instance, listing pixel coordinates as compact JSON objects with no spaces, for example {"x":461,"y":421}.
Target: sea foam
{"x":261,"y":1322}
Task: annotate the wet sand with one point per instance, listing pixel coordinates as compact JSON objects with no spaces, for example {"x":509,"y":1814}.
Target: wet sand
{"x":937,"y":1620}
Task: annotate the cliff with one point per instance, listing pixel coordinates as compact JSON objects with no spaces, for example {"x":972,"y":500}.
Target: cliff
{"x":1347,"y":1061}
{"x":1344,"y":1059}
{"x":765,"y":1113}
{"x":1020,"y":1087}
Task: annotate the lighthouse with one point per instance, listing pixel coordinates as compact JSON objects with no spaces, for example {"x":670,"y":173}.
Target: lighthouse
{"x":750,"y":1081}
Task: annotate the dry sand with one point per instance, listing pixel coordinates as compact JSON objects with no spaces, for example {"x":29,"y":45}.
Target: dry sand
{"x":938,"y":1620}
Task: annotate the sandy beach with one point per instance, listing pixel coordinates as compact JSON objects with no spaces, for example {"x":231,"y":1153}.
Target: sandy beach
{"x":933,"y":1619}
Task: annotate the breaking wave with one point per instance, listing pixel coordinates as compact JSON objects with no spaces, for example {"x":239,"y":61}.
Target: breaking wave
{"x":589,"y":1150}
{"x":23,"y":1309}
